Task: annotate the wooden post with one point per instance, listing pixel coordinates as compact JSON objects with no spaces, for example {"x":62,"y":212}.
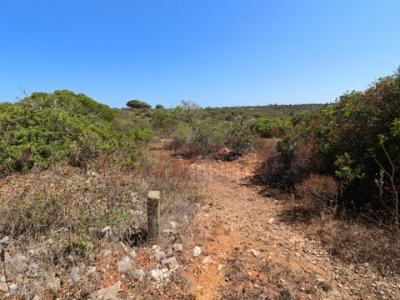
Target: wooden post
{"x":153,"y":214}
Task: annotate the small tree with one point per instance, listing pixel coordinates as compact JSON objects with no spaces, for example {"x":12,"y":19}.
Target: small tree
{"x":138,"y":104}
{"x":159,"y":106}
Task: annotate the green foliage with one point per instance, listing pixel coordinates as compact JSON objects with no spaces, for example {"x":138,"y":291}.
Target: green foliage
{"x":206,"y":138}
{"x":138,"y":104}
{"x":44,"y":128}
{"x":272,"y":127}
{"x":239,"y":136}
{"x":164,"y":121}
{"x":345,"y":169}
{"x":396,"y":127}
{"x":196,"y":131}
{"x":79,"y":244}
{"x":344,"y":140}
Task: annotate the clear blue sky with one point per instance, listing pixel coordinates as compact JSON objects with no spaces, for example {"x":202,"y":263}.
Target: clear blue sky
{"x":213,"y":52}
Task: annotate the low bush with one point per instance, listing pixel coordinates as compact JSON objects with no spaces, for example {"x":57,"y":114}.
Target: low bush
{"x":272,"y":127}
{"x":357,"y":244}
{"x":292,"y":163}
{"x":317,"y":191}
{"x":45,"y":128}
{"x":195,"y":133}
{"x":356,"y":141}
{"x":239,"y":136}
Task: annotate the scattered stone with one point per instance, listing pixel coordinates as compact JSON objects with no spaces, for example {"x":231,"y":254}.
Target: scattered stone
{"x":285,"y":294}
{"x":53,"y":283}
{"x":171,"y":263}
{"x":108,"y":293}
{"x":106,"y":253}
{"x":107,"y":232}
{"x":160,"y":275}
{"x":256,"y":253}
{"x":70,"y":258}
{"x":125,"y":264}
{"x":74,"y":275}
{"x":196,"y":251}
{"x":220,"y":267}
{"x":3,"y":287}
{"x":91,"y":270}
{"x":271,"y":220}
{"x":324,"y":286}
{"x":19,"y":263}
{"x":138,"y":274}
{"x":13,"y":287}
{"x":207,"y":260}
{"x":36,"y":297}
{"x":174,"y":226}
{"x":159,"y":255}
{"x":94,"y":174}
{"x":5,"y":240}
{"x":170,"y":252}
{"x":178,"y":247}
{"x":227,"y":229}
{"x":33,"y":270}
{"x":132,"y":253}
{"x":134,"y":196}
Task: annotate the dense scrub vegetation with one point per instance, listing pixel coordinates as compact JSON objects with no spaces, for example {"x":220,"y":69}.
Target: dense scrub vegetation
{"x":270,"y":111}
{"x":206,"y":131}
{"x":273,"y":126}
{"x":194,"y":131}
{"x":45,"y":128}
{"x":356,"y":142}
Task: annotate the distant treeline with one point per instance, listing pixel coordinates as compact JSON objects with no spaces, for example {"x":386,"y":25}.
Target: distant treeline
{"x":272,"y":109}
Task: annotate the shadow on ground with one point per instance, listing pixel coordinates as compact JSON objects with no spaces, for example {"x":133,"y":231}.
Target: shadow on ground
{"x":298,"y":215}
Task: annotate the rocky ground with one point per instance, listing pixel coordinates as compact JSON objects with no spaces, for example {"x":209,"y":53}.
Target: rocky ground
{"x":251,"y":251}
{"x":238,"y":246}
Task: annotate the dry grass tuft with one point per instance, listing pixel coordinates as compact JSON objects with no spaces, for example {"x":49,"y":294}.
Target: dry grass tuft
{"x":71,"y":207}
{"x":354,"y":243}
{"x":317,"y":192}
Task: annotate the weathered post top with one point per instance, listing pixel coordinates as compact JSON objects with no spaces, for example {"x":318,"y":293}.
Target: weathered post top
{"x":154,"y":195}
{"x":153,"y":214}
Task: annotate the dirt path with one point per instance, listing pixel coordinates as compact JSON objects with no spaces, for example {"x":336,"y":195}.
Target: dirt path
{"x":248,"y":252}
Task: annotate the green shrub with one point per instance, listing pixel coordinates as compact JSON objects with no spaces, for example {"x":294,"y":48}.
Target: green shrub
{"x":207,"y":138}
{"x":272,"y":127}
{"x":182,"y":136}
{"x":196,"y":131}
{"x":138,"y":104}
{"x":46,"y":128}
{"x":239,"y":136}
{"x":164,"y":121}
{"x":357,"y":141}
